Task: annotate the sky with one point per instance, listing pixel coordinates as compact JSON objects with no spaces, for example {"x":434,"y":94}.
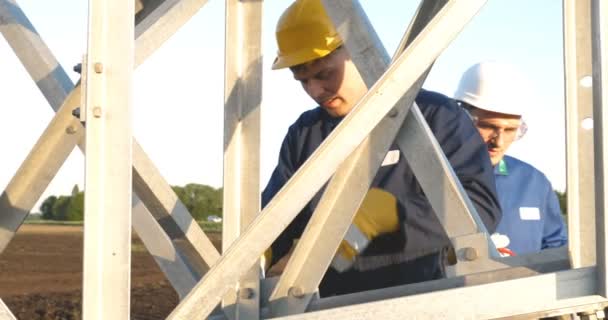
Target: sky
{"x":178,"y":91}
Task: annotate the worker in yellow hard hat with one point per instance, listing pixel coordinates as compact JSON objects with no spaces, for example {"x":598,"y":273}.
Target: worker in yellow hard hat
{"x":308,"y":43}
{"x":395,"y":237}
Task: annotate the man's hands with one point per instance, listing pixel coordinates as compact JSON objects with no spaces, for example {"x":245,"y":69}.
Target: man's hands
{"x":377,"y":214}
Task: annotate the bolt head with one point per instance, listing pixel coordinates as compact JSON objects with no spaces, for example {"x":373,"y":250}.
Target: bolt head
{"x":97,"y":112}
{"x":98,"y":67}
{"x":470,"y":254}
{"x":296,"y":292}
{"x":71,"y":129}
{"x":76,"y":112}
{"x":393,"y":113}
{"x":246,"y":293}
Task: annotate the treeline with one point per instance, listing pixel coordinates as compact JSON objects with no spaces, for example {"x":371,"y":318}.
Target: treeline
{"x":562,"y":197}
{"x":201,"y":200}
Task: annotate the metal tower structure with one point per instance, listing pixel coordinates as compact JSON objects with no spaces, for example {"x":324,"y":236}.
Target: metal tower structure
{"x":229,"y":285}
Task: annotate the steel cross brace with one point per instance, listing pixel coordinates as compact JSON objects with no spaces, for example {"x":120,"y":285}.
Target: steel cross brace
{"x":374,"y":106}
{"x":183,"y":261}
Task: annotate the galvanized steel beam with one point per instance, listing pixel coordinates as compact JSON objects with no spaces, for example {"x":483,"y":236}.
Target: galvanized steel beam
{"x":599,"y":36}
{"x":579,"y":133}
{"x":242,"y":103}
{"x":65,"y":131}
{"x":559,"y":290}
{"x":33,"y":53}
{"x":108,"y":81}
{"x":5,"y":313}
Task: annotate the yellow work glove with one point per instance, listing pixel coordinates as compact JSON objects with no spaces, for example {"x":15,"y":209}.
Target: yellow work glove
{"x":377,"y":214}
{"x":265,"y":259}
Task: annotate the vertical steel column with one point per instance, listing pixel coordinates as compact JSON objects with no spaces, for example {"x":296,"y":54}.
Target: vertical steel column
{"x":108,"y":175}
{"x":579,"y":137}
{"x":599,"y":44}
{"x":242,"y":99}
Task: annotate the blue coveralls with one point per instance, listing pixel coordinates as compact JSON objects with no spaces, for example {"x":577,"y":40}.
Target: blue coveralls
{"x":531,"y":215}
{"x":416,"y":252}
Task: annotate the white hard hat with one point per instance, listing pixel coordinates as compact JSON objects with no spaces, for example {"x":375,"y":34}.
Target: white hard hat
{"x":495,"y":87}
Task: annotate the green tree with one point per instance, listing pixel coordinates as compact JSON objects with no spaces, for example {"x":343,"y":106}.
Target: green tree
{"x":46,"y":208}
{"x":563,"y":201}
{"x":201,"y":200}
{"x":179,"y":191}
{"x":60,"y":208}
{"x":75,"y":190}
{"x":75,"y":210}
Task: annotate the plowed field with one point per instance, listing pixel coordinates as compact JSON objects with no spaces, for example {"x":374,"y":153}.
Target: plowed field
{"x":41,"y":276}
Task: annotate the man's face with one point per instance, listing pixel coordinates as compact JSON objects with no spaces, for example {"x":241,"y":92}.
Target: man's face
{"x":332,"y":81}
{"x":498,"y":131}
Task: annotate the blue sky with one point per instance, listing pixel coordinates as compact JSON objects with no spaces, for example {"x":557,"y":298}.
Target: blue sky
{"x":178,"y":98}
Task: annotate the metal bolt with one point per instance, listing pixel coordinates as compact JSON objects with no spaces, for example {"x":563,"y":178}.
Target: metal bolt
{"x":295,"y":292}
{"x":71,"y":130}
{"x":393,"y":113}
{"x":98,"y":67}
{"x":78,"y":68}
{"x":470,"y":254}
{"x":246,"y":293}
{"x":76,"y":112}
{"x":97,"y":112}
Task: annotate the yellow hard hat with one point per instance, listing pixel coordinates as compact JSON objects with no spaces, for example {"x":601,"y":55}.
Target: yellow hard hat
{"x":304,"y":33}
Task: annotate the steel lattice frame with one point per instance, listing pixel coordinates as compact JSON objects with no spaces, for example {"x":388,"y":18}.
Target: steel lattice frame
{"x":539,"y":284}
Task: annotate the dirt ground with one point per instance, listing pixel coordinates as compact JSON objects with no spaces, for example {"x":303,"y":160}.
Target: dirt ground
{"x":41,"y":276}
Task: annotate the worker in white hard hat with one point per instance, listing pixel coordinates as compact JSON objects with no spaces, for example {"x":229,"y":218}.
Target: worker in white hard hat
{"x":497,"y":96}
{"x":395,"y":238}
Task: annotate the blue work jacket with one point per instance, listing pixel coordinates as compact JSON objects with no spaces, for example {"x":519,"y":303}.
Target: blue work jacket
{"x":531,"y":214}
{"x":415,"y":252}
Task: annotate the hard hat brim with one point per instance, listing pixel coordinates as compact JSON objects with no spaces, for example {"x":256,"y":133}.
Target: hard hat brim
{"x":303,"y":56}
{"x":479,"y":104}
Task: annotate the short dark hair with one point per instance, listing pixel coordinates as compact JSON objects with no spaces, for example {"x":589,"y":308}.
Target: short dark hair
{"x":466,"y":106}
